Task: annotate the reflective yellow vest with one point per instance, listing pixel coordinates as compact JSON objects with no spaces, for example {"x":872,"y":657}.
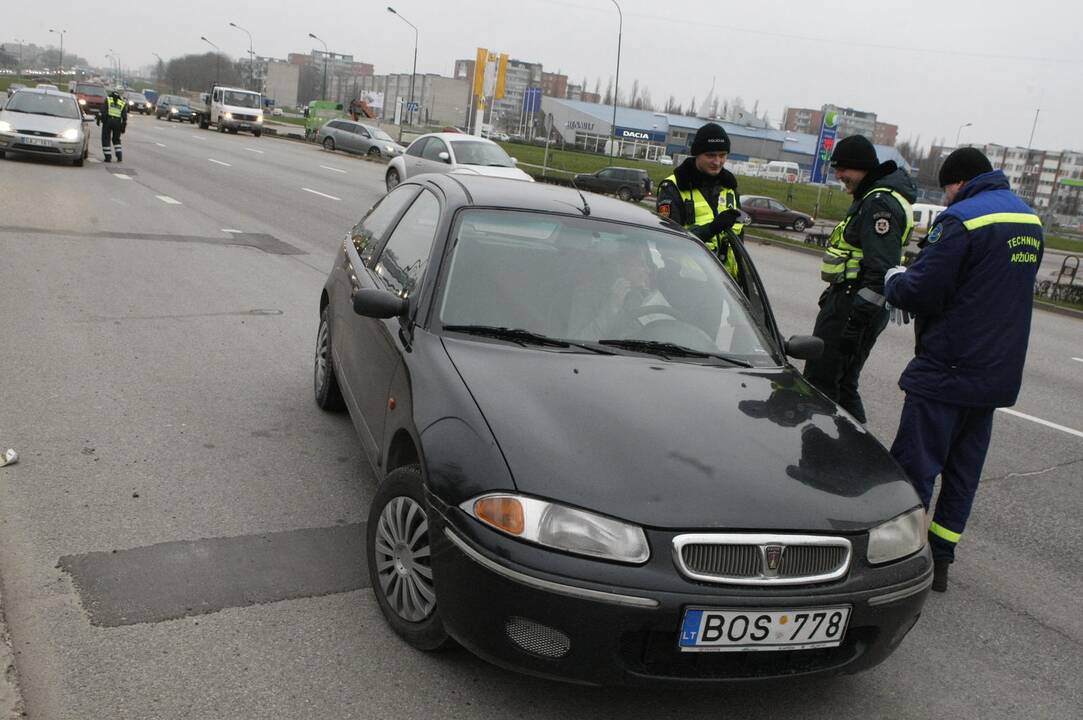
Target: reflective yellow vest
{"x":704,"y":215}
{"x":842,"y":261}
{"x":116,"y":107}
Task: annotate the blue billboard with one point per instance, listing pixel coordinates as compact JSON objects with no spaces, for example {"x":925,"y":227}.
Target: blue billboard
{"x":532,"y":100}
{"x":638,"y":134}
{"x":821,"y":157}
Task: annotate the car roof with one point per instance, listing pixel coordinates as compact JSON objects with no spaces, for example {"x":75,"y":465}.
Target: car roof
{"x":503,"y":192}
{"x":457,"y":136}
{"x":43,"y":91}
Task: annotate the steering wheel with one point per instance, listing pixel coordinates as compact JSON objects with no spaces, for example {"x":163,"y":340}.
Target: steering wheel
{"x":676,"y":326}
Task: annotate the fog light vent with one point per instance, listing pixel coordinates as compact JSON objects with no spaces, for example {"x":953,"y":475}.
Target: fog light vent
{"x":536,"y":638}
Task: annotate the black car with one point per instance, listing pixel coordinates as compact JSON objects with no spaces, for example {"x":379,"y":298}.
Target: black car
{"x":595,"y":462}
{"x":174,"y":107}
{"x":625,"y":183}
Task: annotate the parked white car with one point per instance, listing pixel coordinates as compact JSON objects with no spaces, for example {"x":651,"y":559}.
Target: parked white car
{"x":452,"y":152}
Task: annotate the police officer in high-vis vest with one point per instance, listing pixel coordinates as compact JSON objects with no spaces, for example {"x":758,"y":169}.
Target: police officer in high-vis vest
{"x":113,"y":117}
{"x":863,"y":247}
{"x":702,"y":195}
{"x":971,"y":291}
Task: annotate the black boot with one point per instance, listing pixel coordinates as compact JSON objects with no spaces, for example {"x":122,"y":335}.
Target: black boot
{"x":120,"y":158}
{"x":108,"y":159}
{"x":940,"y":575}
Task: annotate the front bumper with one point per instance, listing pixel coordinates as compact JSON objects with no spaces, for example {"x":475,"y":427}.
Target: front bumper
{"x":587,"y":631}
{"x":46,"y":147}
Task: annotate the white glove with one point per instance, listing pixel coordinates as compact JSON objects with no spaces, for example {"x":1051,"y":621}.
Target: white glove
{"x":893,"y":272}
{"x":897,"y":315}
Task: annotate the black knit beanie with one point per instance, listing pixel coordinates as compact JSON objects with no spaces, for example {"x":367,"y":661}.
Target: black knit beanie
{"x":962,"y":165}
{"x":854,"y":152}
{"x":710,"y":138}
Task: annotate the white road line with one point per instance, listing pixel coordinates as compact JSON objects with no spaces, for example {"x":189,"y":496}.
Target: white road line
{"x":1068,"y":430}
{"x":327,"y":167}
{"x":122,"y":176}
{"x":317,"y":192}
{"x":168,"y":200}
{"x":159,"y":144}
{"x":199,"y":137}
{"x":1078,"y":359}
{"x":232,"y":231}
{"x":219,"y":162}
{"x":254,"y":150}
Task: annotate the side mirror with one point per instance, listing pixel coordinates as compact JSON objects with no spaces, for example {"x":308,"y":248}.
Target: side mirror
{"x":445,"y":157}
{"x":373,"y":303}
{"x":804,"y":347}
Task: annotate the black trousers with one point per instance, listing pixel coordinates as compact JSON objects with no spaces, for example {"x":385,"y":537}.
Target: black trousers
{"x":837,"y":371}
{"x":110,"y":138}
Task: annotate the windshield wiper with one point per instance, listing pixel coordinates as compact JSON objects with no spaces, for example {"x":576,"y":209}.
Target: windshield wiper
{"x":521,"y":336}
{"x":14,"y":110}
{"x":665,"y":349}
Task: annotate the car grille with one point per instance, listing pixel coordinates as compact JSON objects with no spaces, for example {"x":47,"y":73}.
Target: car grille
{"x":757,"y":559}
{"x":37,"y":133}
{"x":245,"y":118}
{"x":657,"y":654}
{"x":35,"y":148}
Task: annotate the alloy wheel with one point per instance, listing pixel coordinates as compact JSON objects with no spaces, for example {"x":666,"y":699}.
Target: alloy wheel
{"x":402,"y":556}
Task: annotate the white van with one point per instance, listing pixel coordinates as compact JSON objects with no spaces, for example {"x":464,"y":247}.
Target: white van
{"x":924,"y":214}
{"x":780,"y":170}
{"x":230,"y":109}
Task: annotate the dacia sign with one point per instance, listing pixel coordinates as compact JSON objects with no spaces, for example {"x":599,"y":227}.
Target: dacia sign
{"x":638,"y":135}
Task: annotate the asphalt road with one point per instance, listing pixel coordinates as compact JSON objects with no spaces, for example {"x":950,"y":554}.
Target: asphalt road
{"x":180,"y":538}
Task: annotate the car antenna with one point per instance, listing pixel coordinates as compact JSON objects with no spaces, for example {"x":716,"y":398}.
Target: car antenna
{"x":586,"y":208}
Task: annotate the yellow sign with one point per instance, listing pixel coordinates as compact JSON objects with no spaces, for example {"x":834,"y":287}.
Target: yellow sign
{"x":490,"y":73}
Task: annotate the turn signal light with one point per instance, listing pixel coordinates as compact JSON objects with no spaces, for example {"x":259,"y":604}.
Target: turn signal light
{"x":505,"y":513}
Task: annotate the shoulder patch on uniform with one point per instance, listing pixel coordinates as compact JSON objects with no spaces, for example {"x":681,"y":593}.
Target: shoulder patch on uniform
{"x":665,"y":208}
{"x":935,"y":233}
{"x":882,"y":226}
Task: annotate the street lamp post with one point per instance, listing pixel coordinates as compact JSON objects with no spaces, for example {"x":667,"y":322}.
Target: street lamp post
{"x":616,"y":84}
{"x":960,"y":130}
{"x":413,"y":73}
{"x":61,"y":33}
{"x":217,"y":58}
{"x":158,"y":70}
{"x":20,"y":68}
{"x":323,"y":95}
{"x":251,"y":55}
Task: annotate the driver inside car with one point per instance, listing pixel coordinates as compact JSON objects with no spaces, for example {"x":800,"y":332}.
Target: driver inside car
{"x":613,"y":310}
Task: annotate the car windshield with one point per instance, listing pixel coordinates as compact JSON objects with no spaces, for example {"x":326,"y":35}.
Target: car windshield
{"x":591,"y":281}
{"x":241,"y":99}
{"x":137,"y":97}
{"x":472,"y":152}
{"x":35,"y":103}
{"x":90,"y":90}
{"x":380,"y":134}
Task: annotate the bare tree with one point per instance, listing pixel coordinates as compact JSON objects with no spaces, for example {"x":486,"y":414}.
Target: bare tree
{"x":608,"y":93}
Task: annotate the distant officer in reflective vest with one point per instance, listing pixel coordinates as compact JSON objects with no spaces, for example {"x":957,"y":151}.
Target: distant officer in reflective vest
{"x":863,"y":247}
{"x":702,"y":195}
{"x":113,"y":118}
{"x":971,"y":291}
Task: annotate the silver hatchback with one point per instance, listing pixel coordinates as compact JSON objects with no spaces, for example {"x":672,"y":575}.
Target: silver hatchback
{"x":359,"y":138}
{"x":46,"y":123}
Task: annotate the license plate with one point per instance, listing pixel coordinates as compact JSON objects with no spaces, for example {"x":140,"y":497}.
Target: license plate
{"x":46,"y":142}
{"x":732,"y":630}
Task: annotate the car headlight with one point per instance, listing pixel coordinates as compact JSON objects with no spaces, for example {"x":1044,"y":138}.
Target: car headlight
{"x":82,"y":101}
{"x":897,"y":538}
{"x":6,"y":127}
{"x":390,"y":149}
{"x":174,"y":110}
{"x":560,"y":527}
{"x":259,"y":118}
{"x":70,"y":134}
{"x":228,"y":116}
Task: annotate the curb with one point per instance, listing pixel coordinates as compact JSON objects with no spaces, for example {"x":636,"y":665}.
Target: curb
{"x":1038,"y":304}
{"x":11,"y":702}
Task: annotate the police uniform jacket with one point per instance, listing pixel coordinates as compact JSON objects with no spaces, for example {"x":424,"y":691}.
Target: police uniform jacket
{"x":972,"y":290}
{"x":103,"y":115}
{"x":688,"y":178}
{"x":877,"y":224}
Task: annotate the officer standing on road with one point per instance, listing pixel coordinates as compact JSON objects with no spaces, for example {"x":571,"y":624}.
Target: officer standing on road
{"x":971,"y":290}
{"x":862,"y":248}
{"x":113,"y":117}
{"x":702,"y":195}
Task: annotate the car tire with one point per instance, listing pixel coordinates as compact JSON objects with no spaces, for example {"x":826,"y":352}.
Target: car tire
{"x":329,"y":144}
{"x":799,"y":225}
{"x":397,"y":516}
{"x":203,"y":124}
{"x":624,"y":193}
{"x":78,"y":162}
{"x":391,"y":180}
{"x":324,"y":382}
{"x":374,"y":152}
{"x":257,"y":133}
{"x":3,"y":154}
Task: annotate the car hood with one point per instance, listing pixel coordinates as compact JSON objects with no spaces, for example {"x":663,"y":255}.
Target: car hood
{"x":40,"y":123}
{"x":680,"y":445}
{"x":513,"y":173}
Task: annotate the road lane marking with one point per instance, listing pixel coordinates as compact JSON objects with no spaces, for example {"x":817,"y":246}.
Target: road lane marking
{"x":254,"y":150}
{"x":168,"y":200}
{"x":1078,"y":359}
{"x":328,"y":167}
{"x":219,"y":162}
{"x":1033,"y":419}
{"x":159,"y":144}
{"x":122,"y":176}
{"x":232,"y":231}
{"x":317,"y":192}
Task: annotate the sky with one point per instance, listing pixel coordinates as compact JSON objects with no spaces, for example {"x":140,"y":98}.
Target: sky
{"x":928,"y":67}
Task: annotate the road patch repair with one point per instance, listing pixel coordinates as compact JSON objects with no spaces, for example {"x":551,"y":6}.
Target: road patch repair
{"x":174,"y":580}
{"x":260,"y":241}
